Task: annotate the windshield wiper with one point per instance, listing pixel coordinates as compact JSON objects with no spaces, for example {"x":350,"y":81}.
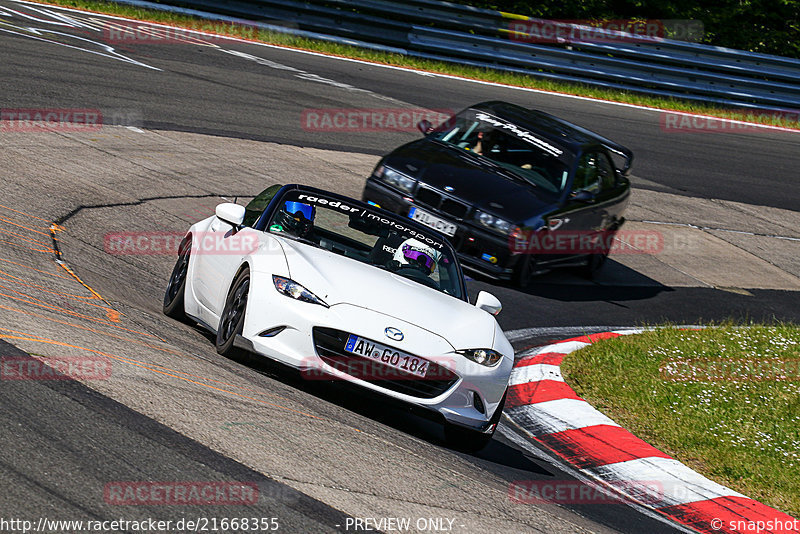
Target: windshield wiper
{"x":508,"y":173}
{"x":514,"y":176}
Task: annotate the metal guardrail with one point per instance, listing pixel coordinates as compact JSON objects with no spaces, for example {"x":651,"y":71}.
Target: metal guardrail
{"x":484,"y":38}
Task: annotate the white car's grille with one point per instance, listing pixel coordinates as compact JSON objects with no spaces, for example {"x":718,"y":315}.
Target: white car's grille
{"x":330,"y":345}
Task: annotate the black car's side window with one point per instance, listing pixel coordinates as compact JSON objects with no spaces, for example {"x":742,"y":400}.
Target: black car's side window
{"x":605,"y":172}
{"x":587,"y":177}
{"x":594,"y":173}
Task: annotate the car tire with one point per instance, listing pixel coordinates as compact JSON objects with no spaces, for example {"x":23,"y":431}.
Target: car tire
{"x":231,"y":322}
{"x":176,"y":287}
{"x":594,"y":264}
{"x":523,"y":273}
{"x":471,"y":441}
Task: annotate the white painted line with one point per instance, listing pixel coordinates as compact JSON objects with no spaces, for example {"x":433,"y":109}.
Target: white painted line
{"x":307,"y":75}
{"x":712,"y":229}
{"x":564,"y":347}
{"x":60,"y":21}
{"x":557,"y":416}
{"x":447,"y":76}
{"x":632,"y":331}
{"x":534,"y":373}
{"x":663,"y":481}
{"x":570,"y":346}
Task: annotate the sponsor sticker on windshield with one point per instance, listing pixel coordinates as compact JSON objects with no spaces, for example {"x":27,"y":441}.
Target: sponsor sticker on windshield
{"x":367,"y":216}
{"x":521,"y":133}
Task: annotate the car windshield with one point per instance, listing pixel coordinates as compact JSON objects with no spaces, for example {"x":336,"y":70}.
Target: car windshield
{"x":396,"y":245}
{"x":507,"y":146}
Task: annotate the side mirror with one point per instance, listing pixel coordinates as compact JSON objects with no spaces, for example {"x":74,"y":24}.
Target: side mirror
{"x":230,"y":213}
{"x":584,"y":196}
{"x":488,"y":303}
{"x":425,"y":126}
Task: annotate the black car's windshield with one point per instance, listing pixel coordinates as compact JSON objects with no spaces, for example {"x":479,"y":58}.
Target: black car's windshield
{"x":395,"y":245}
{"x":508,"y":146}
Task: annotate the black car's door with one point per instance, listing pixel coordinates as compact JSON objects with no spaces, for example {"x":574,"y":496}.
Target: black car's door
{"x":593,"y":205}
{"x":612,"y":195}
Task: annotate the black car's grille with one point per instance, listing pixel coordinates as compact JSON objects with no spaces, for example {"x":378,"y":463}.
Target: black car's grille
{"x":446,"y":205}
{"x":330,"y":345}
{"x":456,"y":209}
{"x":429,"y":197}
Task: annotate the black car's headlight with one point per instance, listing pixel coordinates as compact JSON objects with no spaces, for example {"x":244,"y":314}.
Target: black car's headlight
{"x":292,"y":289}
{"x":487,"y":357}
{"x":491,"y":222}
{"x":395,"y":178}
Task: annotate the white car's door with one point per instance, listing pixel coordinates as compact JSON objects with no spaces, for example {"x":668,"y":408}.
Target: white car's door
{"x":218,"y":254}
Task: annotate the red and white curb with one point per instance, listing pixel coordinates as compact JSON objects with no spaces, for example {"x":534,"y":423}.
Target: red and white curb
{"x":550,"y":412}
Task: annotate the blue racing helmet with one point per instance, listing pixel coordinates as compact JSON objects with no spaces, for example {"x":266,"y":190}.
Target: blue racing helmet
{"x":307,"y":210}
{"x":295,"y":218}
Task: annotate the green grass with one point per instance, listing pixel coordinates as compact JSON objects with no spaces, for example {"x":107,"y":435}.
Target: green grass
{"x":707,"y":399}
{"x":422,"y":64}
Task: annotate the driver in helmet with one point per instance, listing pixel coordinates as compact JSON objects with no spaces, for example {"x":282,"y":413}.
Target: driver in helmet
{"x":294,"y":218}
{"x":414,"y":254}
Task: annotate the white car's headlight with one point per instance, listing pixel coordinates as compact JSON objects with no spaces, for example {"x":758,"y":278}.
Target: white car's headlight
{"x":493,"y":223}
{"x":395,"y":178}
{"x":292,"y":289}
{"x":487,"y":357}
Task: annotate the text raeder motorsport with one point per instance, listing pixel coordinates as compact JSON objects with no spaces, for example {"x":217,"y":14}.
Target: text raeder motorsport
{"x":370,"y":216}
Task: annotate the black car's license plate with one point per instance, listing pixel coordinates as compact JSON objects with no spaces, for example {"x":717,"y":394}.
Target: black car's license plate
{"x":432,"y":221}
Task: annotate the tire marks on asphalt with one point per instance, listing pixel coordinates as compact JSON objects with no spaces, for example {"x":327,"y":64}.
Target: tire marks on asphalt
{"x":39,"y":294}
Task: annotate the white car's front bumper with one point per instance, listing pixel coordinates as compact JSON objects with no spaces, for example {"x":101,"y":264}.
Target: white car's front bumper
{"x":302,"y":344}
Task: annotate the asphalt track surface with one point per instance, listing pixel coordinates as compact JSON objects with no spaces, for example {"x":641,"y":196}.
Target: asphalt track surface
{"x":66,"y":440}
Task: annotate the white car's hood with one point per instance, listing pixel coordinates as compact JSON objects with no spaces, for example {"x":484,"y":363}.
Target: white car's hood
{"x":336,"y":280}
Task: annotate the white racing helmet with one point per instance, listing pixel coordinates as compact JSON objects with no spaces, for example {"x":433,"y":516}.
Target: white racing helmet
{"x":417,"y":254}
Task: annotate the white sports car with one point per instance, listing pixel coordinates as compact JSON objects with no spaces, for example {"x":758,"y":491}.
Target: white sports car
{"x":342,"y":289}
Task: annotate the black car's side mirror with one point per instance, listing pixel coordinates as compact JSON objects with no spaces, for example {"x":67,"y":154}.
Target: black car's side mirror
{"x":583,"y":196}
{"x":425,"y":126}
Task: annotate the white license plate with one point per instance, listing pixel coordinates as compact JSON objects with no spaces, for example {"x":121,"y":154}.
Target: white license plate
{"x":432,"y":221}
{"x":386,"y":355}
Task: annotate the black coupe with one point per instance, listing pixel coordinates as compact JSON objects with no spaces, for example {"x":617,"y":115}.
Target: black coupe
{"x":517,"y":191}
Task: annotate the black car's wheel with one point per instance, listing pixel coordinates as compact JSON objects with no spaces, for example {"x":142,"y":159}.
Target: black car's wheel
{"x":594,"y":264}
{"x":232,"y":320}
{"x":523,"y":273}
{"x":176,"y":288}
{"x":466,"y":440}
